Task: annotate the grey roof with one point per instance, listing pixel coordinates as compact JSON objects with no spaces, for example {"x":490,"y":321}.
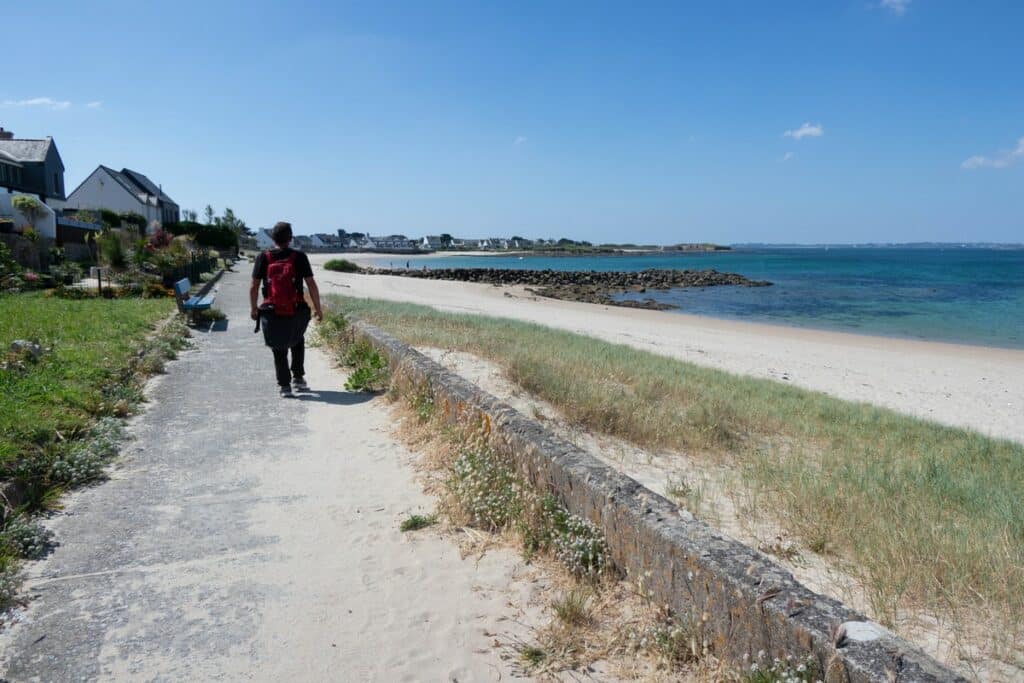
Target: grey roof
{"x":27,"y":150}
{"x":126,"y":183}
{"x":146,"y":184}
{"x":8,"y":158}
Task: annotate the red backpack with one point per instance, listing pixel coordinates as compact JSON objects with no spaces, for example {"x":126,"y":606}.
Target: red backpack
{"x":281,"y":292}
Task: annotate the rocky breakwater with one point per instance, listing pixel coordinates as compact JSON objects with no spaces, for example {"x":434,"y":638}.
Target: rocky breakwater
{"x":596,"y":287}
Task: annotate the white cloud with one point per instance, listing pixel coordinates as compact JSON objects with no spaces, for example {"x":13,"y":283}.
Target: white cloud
{"x":47,"y":102}
{"x":95,"y":105}
{"x":786,"y":157}
{"x":805,"y":131}
{"x":897,"y":7}
{"x":1001,"y":160}
{"x":519,"y":140}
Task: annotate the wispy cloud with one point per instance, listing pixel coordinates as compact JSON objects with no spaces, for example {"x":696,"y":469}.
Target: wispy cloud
{"x":520,"y":140}
{"x":897,"y":7}
{"x":786,"y":157}
{"x":1002,"y":159}
{"x":805,"y":131}
{"x":47,"y":102}
{"x":95,"y":105}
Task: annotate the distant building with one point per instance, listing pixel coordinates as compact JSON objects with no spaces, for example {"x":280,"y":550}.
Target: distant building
{"x":263,"y":239}
{"x":32,"y":166}
{"x":125,"y":191}
{"x":432,"y":242}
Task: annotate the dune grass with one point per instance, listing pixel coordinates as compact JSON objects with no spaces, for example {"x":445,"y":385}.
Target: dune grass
{"x":928,"y":517}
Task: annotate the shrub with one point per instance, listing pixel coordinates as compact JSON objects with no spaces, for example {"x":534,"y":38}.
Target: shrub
{"x":417,"y":522}
{"x":486,"y":488}
{"x":342,"y":266}
{"x":112,"y":249}
{"x":27,"y":538}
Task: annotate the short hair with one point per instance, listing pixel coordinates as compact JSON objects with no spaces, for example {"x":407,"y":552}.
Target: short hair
{"x":281,"y":232}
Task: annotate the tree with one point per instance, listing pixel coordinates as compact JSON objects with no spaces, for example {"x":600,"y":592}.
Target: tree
{"x":190,"y":215}
{"x":232,"y":222}
{"x":446,"y":240}
{"x":208,"y":212}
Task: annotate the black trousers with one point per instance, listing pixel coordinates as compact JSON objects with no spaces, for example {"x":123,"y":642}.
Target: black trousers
{"x":297,"y":370}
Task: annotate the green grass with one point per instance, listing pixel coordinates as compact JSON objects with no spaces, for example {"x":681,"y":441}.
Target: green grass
{"x":417,"y":522}
{"x":61,"y":394}
{"x":926,"y":516}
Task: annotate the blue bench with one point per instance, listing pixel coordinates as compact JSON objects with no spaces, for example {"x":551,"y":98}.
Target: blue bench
{"x":190,"y":304}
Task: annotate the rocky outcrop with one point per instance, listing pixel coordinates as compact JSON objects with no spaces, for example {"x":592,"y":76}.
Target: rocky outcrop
{"x":598,"y":287}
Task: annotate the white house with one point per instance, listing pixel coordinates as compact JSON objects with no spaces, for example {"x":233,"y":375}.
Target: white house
{"x":124,"y":191}
{"x":263,"y":239}
{"x":44,"y":223}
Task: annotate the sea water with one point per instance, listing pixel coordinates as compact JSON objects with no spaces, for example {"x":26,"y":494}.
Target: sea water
{"x":964,"y":295}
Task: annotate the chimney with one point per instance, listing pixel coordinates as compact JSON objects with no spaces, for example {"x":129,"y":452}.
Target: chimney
{"x":6,"y":134}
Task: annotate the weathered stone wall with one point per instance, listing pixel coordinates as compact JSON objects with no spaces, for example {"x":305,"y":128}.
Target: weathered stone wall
{"x":746,"y":602}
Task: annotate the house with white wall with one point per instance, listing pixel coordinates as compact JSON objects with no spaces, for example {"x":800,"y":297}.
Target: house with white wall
{"x":264,"y":240}
{"x":124,"y":191}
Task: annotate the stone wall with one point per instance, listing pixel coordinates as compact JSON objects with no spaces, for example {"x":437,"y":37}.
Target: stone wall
{"x":746,"y":602}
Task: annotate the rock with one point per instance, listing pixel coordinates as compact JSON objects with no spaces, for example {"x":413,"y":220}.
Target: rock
{"x":587,"y":286}
{"x":27,"y":349}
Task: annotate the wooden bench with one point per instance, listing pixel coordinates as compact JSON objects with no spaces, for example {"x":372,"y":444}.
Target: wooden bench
{"x":190,"y":304}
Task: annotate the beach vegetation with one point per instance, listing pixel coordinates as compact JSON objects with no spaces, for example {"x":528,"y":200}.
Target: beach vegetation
{"x":341,"y":265}
{"x":369,"y":368}
{"x":572,"y":608}
{"x":417,"y":522}
{"x":927,"y":517}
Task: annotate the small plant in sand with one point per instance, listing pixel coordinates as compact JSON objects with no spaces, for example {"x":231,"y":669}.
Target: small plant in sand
{"x":573,"y":608}
{"x":417,"y":522}
{"x":788,"y":670}
{"x":369,"y":368}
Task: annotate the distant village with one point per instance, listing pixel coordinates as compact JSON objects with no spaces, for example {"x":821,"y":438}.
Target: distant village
{"x":344,"y":241}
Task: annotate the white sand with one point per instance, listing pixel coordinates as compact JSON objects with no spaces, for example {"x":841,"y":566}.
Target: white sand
{"x":966,"y":386}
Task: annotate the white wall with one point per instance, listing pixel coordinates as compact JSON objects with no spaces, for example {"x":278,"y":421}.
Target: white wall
{"x":45,"y":224}
{"x":101,"y":191}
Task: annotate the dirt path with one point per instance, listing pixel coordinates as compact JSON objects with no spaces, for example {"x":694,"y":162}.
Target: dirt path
{"x":246,"y":537}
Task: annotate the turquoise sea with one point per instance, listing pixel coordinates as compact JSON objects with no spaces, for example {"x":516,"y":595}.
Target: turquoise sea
{"x":964,"y":295}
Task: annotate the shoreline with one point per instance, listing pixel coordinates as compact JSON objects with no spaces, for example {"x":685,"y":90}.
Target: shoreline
{"x":960,"y":385}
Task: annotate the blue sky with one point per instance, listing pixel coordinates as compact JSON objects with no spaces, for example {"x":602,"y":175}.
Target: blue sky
{"x":645,"y":122}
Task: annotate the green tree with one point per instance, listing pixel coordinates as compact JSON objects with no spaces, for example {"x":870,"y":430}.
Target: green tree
{"x":190,"y":215}
{"x":446,"y":239}
{"x":208,"y":212}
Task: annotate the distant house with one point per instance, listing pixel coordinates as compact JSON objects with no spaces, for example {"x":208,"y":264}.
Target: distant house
{"x":498,"y":243}
{"x":432,"y":242}
{"x":32,"y":166}
{"x":125,"y":191}
{"x":263,"y":239}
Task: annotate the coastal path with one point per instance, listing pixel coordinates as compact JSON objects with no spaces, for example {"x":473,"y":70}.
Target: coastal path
{"x":247,"y":537}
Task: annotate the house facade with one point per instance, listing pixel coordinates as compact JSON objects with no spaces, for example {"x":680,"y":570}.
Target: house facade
{"x":125,"y":191}
{"x":32,"y":166}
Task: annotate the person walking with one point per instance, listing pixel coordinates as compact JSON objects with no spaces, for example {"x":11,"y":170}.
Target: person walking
{"x":284,"y":313}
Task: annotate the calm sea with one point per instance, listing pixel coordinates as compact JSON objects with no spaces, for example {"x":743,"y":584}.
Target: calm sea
{"x":971,"y":296}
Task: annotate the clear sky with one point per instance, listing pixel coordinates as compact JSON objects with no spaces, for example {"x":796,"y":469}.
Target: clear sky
{"x":725,"y":121}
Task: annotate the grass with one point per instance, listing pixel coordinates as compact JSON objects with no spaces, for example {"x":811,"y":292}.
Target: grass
{"x":57,"y":411}
{"x":928,"y":517}
{"x":90,"y":342}
{"x":573,"y":608}
{"x":417,"y":522}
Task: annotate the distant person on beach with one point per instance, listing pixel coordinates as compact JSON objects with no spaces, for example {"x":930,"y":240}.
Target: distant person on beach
{"x":284,"y":313}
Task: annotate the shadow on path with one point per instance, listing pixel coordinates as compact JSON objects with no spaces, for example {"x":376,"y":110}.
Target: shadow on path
{"x":338,"y":398}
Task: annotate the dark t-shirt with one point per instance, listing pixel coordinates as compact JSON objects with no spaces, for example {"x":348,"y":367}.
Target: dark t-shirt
{"x":302,"y":267}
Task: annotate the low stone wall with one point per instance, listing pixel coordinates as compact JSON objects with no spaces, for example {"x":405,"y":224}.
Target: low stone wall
{"x":746,"y":602}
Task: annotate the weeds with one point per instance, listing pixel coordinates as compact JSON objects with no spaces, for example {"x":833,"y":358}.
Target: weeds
{"x":532,"y":655}
{"x":417,"y":522}
{"x":573,"y":608}
{"x":369,"y":368}
{"x":781,"y":671}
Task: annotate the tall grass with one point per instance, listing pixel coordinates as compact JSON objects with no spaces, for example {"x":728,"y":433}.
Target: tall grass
{"x":929,"y":517}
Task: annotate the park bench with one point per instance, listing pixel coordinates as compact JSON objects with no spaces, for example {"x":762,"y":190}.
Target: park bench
{"x":189,"y":305}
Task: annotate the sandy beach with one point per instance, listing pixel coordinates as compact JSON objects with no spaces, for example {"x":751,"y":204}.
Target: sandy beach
{"x":975,"y":387}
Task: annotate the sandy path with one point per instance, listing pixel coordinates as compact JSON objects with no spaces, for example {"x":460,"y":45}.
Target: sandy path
{"x":246,"y":537}
{"x":966,"y":386}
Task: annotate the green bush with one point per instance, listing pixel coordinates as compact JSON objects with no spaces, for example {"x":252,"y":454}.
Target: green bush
{"x":217,"y":236}
{"x":112,"y":249}
{"x":370,"y":371}
{"x":342,"y":266}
